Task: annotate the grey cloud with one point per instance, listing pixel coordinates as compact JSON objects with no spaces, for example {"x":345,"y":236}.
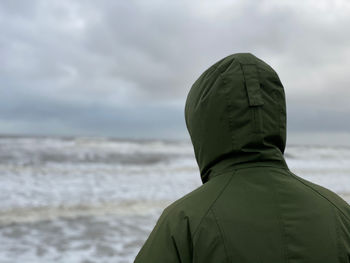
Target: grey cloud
{"x":54,"y":117}
{"x":110,"y":66}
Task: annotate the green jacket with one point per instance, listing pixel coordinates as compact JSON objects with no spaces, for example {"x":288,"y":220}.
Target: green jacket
{"x":251,"y":207}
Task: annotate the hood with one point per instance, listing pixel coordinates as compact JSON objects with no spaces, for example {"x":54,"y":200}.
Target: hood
{"x":235,"y":114}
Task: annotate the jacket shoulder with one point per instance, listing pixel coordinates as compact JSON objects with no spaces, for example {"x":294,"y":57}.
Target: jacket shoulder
{"x":171,"y":240}
{"x":195,"y":205}
{"x":339,"y":203}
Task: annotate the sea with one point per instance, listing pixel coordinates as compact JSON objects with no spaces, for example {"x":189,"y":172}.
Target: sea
{"x":93,"y":199}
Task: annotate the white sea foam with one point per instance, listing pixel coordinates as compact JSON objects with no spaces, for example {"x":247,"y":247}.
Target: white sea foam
{"x":96,"y":199}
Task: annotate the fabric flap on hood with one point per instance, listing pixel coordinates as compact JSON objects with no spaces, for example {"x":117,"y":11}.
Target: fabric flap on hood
{"x":252,"y":83}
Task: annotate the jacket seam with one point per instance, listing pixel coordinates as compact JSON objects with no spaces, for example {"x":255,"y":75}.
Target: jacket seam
{"x":176,"y":248}
{"x":211,"y":205}
{"x":253,"y":166}
{"x":242,"y":168}
{"x":282,"y":226}
{"x":316,"y":191}
{"x":229,"y":112}
{"x":168,"y":210}
{"x":221,"y":234}
{"x":338,"y":240}
{"x":261,"y":165}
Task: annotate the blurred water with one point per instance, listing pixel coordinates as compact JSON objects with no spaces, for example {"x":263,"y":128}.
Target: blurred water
{"x":97,"y":199}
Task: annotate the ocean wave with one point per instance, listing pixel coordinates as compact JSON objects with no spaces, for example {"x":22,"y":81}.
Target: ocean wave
{"x":37,"y":214}
{"x":34,"y":151}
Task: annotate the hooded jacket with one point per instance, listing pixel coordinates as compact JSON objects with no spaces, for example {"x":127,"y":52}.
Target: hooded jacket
{"x":251,"y":208}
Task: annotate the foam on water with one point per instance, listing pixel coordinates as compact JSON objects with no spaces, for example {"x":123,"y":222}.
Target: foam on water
{"x":96,"y":199}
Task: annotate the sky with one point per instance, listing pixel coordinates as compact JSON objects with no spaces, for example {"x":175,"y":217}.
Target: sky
{"x":124,"y":68}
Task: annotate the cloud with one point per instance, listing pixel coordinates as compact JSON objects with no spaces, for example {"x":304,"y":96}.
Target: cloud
{"x":120,"y":67}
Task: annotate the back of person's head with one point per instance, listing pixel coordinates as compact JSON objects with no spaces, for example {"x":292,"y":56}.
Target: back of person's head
{"x":236,"y":113}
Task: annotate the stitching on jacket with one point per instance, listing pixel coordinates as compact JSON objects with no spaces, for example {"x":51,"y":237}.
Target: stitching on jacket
{"x":222,"y":235}
{"x":228,"y":110}
{"x":206,"y":213}
{"x":176,"y":249}
{"x":260,"y":165}
{"x":338,"y":241}
{"x":170,"y":208}
{"x":316,"y":191}
{"x":330,"y":202}
{"x":282,"y":227}
{"x":225,"y":66}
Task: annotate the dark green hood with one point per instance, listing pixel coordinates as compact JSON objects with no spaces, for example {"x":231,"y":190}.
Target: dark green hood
{"x":236,"y":115}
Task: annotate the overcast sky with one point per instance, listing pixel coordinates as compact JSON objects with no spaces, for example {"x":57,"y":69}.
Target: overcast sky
{"x":124,"y":68}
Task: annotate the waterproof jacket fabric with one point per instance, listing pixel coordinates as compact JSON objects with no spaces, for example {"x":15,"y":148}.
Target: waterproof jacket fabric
{"x":251,"y":208}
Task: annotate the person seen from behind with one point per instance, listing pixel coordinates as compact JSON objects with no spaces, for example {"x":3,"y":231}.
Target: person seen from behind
{"x":251,"y":208}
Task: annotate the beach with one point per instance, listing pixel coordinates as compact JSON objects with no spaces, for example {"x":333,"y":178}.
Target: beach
{"x":97,"y":199}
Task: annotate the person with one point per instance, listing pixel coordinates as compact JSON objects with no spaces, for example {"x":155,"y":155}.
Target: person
{"x":251,"y":207}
